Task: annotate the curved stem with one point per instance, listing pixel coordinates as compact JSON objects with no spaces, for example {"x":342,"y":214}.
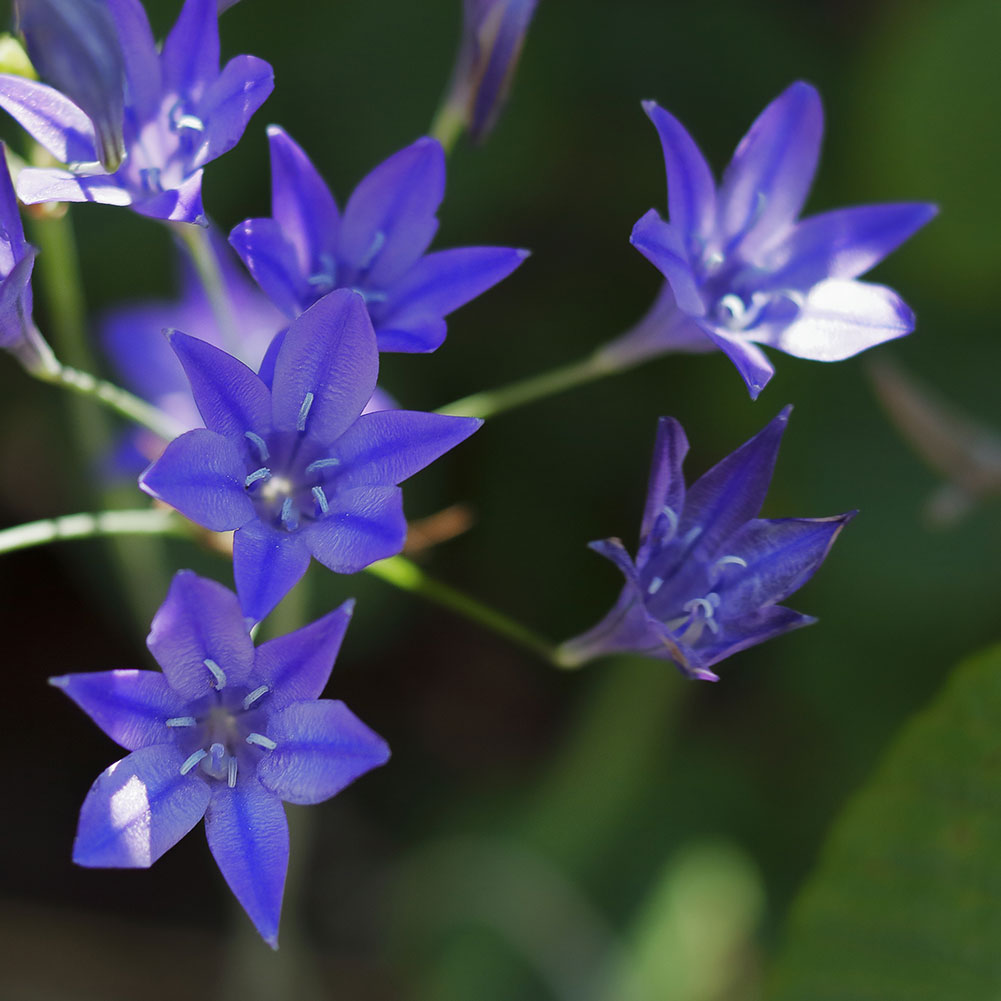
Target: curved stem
{"x":448,"y":124}
{"x":407,"y":576}
{"x":147,"y":521}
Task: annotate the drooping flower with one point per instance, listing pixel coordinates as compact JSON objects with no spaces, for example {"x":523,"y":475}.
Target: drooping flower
{"x":226,"y":732}
{"x":288,"y":460}
{"x":742,"y":271}
{"x":493,"y":32}
{"x":709,"y":573}
{"x":180,"y":113}
{"x":377,"y":247}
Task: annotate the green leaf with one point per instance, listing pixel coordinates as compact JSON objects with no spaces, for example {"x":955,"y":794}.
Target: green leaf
{"x":905,"y":904}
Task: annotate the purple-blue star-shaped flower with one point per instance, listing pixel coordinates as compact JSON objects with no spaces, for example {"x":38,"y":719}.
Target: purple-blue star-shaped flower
{"x":709,"y":573}
{"x":377,"y":247}
{"x":180,"y":112}
{"x":226,"y":732}
{"x":742,"y":271}
{"x":288,"y":459}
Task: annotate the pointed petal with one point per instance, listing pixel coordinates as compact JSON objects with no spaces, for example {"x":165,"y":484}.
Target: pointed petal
{"x":180,"y":204}
{"x":47,"y":184}
{"x":142,"y":63}
{"x":387,"y":447}
{"x":769,"y":177}
{"x":137,"y":809}
{"x":230,"y":397}
{"x":841,"y":318}
{"x":12,"y":242}
{"x":272,"y":260}
{"x":416,"y":337}
{"x":200,"y":620}
{"x":15,"y":302}
{"x":443,"y":281}
{"x":322,"y":747}
{"x":612,"y":549}
{"x":843,"y":244}
{"x":296,"y":666}
{"x":248,"y":837}
{"x":202,"y":474}
{"x":667,"y":482}
{"x":330,"y":354}
{"x":266,"y":373}
{"x":364,"y":524}
{"x":781,"y":555}
{"x":229,"y":103}
{"x":751,"y":630}
{"x":267,"y":564}
{"x":662,"y":244}
{"x":131,"y":707}
{"x":301,"y":203}
{"x":190,"y":57}
{"x":732,"y":492}
{"x":752,"y":364}
{"x":50,"y":118}
{"x":691,"y":192}
{"x":390,"y":218}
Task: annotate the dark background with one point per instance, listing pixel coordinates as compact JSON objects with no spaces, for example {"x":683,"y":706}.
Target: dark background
{"x":514,"y":845}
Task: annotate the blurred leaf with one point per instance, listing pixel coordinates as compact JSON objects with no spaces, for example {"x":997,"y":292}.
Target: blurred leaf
{"x":904,"y":905}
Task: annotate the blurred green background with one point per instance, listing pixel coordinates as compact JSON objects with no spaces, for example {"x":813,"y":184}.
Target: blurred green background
{"x":616,"y":833}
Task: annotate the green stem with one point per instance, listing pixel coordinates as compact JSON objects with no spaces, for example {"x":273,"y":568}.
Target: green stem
{"x":197,"y":241}
{"x":536,"y":387}
{"x":449,"y":123}
{"x":148,"y":521}
{"x":407,"y":576}
{"x":122,"y":402}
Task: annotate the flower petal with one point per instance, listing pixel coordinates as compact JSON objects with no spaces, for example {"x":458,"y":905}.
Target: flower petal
{"x":322,"y":747}
{"x":137,"y":809}
{"x":190,"y":57}
{"x":50,"y":118}
{"x":751,"y":630}
{"x":200,"y":620}
{"x":416,"y":337}
{"x":248,"y":836}
{"x":769,"y":177}
{"x":841,"y":318}
{"x":663,"y":245}
{"x":131,"y":707}
{"x":267,"y":564}
{"x":752,"y":364}
{"x":390,"y":218}
{"x":272,"y":260}
{"x":691,"y":191}
{"x":142,"y":64}
{"x":229,"y":103}
{"x":301,"y":203}
{"x":47,"y":184}
{"x":364,"y":524}
{"x":667,"y":482}
{"x":732,"y":492}
{"x":201,"y":474}
{"x":230,"y":397}
{"x":297,"y":665}
{"x":388,"y":446}
{"x":843,"y":244}
{"x":329,"y":356}
{"x":180,"y":204}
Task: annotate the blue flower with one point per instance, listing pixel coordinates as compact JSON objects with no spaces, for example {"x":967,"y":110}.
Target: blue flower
{"x":709,"y":573}
{"x":741,"y":271}
{"x":287,"y":458}
{"x":377,"y":247}
{"x":226,"y":732}
{"x":180,"y":112}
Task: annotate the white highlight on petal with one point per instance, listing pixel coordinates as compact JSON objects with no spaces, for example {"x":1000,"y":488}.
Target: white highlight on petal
{"x":129,"y":810}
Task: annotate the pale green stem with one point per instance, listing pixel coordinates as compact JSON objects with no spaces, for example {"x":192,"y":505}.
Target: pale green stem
{"x":407,"y":576}
{"x":449,"y":123}
{"x":197,"y":241}
{"x":148,"y":521}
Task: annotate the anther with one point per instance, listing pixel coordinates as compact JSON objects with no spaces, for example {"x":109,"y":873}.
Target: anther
{"x":704,"y":603}
{"x":692,"y":535}
{"x":217,"y":672}
{"x":319,"y":464}
{"x":655,"y":585}
{"x":289,"y":516}
{"x":255,"y":695}
{"x":723,"y":561}
{"x":193,"y":760}
{"x":231,"y":767}
{"x":181,"y":721}
{"x":258,"y":474}
{"x":671,"y":517}
{"x":321,"y":499}
{"x":259,"y":443}
{"x":300,"y":424}
{"x":261,"y":741}
{"x":378,"y":241}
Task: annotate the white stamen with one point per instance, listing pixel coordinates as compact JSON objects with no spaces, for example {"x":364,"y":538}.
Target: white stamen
{"x":261,"y":741}
{"x":736,"y":561}
{"x":289,"y":516}
{"x":307,"y":402}
{"x":217,"y":752}
{"x":217,"y":672}
{"x":231,"y":773}
{"x":191,"y":122}
{"x":321,"y":499}
{"x":259,"y":443}
{"x":692,"y":535}
{"x":378,"y":241}
{"x":258,"y":474}
{"x":255,"y":695}
{"x":193,"y":760}
{"x":704,"y":603}
{"x":655,"y":585}
{"x":181,"y":721}
{"x":322,"y":464}
{"x":671,"y":517}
